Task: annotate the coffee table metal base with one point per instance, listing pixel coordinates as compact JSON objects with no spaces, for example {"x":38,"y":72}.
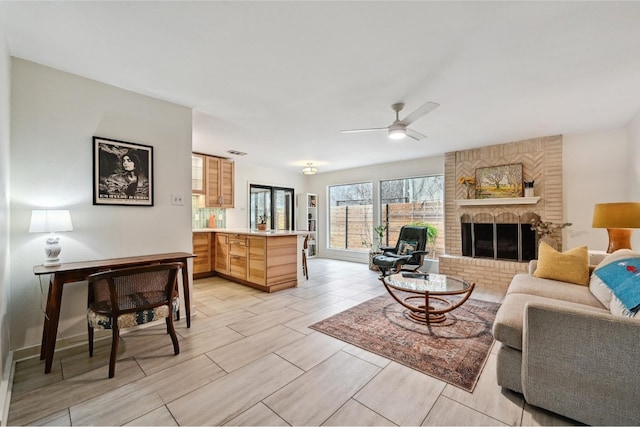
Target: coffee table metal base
{"x":418,"y":312}
{"x":426,"y":312}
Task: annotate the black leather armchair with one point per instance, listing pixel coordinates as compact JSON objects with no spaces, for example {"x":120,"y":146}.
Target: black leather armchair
{"x":407,"y":254}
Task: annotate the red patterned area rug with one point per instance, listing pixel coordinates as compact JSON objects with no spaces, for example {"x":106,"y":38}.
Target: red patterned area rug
{"x":454,"y":351}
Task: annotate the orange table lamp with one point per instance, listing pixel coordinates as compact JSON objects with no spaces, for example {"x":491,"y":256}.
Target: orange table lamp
{"x":619,"y":219}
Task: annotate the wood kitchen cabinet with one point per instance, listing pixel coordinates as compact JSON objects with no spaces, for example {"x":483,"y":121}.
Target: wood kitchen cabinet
{"x":268,"y":263}
{"x":213,"y":178}
{"x":219,"y":182}
{"x":256,"y":260}
{"x":221,"y":263}
{"x":202,"y":251}
{"x":238,"y":256}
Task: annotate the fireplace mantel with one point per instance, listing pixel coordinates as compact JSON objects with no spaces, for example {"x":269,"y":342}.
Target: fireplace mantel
{"x":504,"y":201}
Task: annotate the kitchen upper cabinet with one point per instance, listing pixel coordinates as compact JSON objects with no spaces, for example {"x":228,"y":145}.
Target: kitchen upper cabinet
{"x":197,"y":173}
{"x":219,"y":182}
{"x":213,"y":178}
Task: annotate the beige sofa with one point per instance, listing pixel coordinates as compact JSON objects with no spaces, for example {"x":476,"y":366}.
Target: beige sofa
{"x":565,"y":351}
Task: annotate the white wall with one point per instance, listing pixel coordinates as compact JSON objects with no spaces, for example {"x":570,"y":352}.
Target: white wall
{"x":5,"y":91}
{"x":633,"y":176}
{"x":595,"y":171}
{"x":54,"y":116}
{"x":634,"y":158}
{"x":319,"y":184}
{"x":249,"y":173}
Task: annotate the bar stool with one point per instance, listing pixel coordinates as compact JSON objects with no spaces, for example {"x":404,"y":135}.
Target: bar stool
{"x":305,"y":245}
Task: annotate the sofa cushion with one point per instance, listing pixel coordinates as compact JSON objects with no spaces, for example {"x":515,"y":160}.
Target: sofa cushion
{"x":507,"y":327}
{"x":569,"y":266}
{"x":599,"y":289}
{"x":526,"y":284}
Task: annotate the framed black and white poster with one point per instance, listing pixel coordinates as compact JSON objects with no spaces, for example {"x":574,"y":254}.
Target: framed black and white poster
{"x":122,"y":173}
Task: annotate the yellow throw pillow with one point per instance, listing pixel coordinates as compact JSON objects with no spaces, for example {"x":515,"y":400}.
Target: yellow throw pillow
{"x":570,"y":266}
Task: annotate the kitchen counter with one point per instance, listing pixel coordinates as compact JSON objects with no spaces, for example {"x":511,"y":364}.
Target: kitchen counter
{"x":267,"y":233}
{"x":268,"y":260}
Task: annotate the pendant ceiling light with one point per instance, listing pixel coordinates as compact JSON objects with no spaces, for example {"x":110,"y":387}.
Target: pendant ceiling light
{"x":309,"y":169}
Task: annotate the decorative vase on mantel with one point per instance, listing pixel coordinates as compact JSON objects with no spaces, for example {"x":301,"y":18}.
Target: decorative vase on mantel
{"x":470,"y":183}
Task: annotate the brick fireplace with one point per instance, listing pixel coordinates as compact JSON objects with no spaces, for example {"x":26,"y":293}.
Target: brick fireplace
{"x":541,"y":159}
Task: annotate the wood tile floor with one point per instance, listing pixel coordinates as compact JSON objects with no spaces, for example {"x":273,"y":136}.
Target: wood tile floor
{"x":250,"y":359}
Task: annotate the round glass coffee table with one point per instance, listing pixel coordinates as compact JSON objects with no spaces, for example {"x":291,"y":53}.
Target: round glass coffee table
{"x":427,"y":287}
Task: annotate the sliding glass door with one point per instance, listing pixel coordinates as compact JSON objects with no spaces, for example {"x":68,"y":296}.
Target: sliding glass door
{"x":272,"y":205}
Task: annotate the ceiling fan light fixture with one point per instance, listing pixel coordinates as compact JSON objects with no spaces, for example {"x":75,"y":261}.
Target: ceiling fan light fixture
{"x":397,"y":133}
{"x":399,"y":128}
{"x":309,"y":169}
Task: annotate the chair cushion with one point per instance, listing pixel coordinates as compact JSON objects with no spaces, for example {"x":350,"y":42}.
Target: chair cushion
{"x":105,"y":321}
{"x":389,"y":260}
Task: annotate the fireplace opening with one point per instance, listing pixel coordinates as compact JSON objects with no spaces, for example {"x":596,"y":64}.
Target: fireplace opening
{"x":505,"y":236}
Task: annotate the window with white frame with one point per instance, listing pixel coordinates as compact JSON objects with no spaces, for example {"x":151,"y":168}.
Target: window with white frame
{"x":416,"y":200}
{"x":351,"y":216}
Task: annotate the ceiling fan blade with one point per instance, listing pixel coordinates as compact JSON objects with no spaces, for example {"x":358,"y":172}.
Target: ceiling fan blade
{"x":362,"y":130}
{"x":415,"y":135}
{"x":419,"y":113}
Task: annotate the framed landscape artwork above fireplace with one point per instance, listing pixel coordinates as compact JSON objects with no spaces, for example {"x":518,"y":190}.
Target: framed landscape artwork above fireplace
{"x":499,"y":181}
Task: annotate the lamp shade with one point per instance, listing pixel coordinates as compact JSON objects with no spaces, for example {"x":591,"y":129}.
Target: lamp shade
{"x":50,"y":221}
{"x":616,"y":215}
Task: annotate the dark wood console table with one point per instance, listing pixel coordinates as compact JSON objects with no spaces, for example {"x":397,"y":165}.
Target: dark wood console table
{"x":77,"y":272}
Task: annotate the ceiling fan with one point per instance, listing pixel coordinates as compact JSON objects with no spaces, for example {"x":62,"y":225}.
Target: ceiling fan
{"x":399,"y":128}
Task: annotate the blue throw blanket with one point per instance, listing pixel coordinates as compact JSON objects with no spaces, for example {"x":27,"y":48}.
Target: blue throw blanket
{"x":623,"y":278}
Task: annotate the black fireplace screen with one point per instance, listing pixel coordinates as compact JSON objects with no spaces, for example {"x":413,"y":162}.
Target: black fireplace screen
{"x":497,"y":240}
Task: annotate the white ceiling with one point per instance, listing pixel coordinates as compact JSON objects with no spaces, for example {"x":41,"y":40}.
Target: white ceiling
{"x":279,"y":80}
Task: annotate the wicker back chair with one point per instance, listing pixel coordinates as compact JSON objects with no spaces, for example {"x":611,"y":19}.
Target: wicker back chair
{"x":132,"y":296}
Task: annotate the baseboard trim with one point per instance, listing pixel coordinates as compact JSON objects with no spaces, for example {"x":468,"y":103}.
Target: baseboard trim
{"x":5,"y":388}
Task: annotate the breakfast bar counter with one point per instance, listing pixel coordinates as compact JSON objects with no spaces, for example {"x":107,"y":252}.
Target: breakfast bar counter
{"x":263,"y":259}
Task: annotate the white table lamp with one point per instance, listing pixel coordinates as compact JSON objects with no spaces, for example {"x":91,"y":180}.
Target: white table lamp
{"x":51,"y":221}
